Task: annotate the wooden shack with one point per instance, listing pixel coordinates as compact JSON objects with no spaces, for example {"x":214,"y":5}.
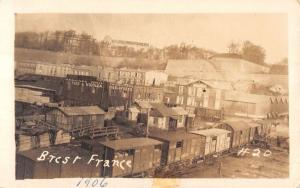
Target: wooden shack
{"x":240,"y":132}
{"x":28,"y":167}
{"x":216,"y":140}
{"x":68,"y":118}
{"x":144,"y":154}
{"x":178,"y":145}
{"x":167,"y":118}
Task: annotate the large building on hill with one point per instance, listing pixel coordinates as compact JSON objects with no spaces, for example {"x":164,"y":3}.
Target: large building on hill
{"x":114,"y":43}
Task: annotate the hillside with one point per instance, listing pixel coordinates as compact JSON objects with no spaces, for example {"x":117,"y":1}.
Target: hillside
{"x":23,"y":54}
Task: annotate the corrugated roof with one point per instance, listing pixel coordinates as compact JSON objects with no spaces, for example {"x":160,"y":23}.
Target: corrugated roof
{"x":130,"y":143}
{"x":81,"y":110}
{"x":210,"y":132}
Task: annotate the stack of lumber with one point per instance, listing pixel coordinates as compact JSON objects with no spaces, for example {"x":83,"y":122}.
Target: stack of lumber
{"x":26,"y":142}
{"x":44,"y":140}
{"x":62,"y":137}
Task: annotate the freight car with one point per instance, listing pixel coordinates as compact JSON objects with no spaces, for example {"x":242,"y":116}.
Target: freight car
{"x":178,"y":146}
{"x":144,"y":155}
{"x":240,"y":132}
{"x":216,"y":140}
{"x":28,"y":166}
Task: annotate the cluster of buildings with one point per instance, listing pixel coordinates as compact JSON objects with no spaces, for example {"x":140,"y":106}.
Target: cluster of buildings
{"x":171,"y":118}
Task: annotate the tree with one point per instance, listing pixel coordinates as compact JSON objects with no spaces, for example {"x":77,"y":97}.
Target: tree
{"x":253,"y":52}
{"x":233,"y":48}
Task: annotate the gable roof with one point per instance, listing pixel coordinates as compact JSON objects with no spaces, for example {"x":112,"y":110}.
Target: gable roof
{"x":161,"y":110}
{"x":81,"y":110}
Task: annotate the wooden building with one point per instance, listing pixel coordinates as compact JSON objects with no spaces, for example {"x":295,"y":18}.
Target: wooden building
{"x":214,"y":140}
{"x":68,"y":118}
{"x":200,"y":93}
{"x":178,"y":145}
{"x":144,"y":154}
{"x":240,"y":132}
{"x":28,"y":167}
{"x":86,"y":90}
{"x":167,"y":118}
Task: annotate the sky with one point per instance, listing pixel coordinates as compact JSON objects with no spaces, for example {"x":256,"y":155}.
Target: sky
{"x":210,"y":31}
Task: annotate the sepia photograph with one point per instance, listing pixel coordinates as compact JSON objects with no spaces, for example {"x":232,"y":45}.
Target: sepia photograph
{"x":190,"y":95}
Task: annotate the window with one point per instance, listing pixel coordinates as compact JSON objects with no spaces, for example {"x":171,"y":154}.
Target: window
{"x":155,"y":120}
{"x":180,"y":118}
{"x":93,"y":90}
{"x":214,"y":138}
{"x":180,"y":89}
{"x":179,"y":144}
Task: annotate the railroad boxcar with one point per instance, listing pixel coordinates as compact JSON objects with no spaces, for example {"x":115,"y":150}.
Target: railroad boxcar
{"x":29,"y":167}
{"x":144,"y":154}
{"x":240,"y":132}
{"x":178,"y":145}
{"x":216,"y":140}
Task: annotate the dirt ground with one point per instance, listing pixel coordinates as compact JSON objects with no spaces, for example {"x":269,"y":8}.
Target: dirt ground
{"x":274,"y":166}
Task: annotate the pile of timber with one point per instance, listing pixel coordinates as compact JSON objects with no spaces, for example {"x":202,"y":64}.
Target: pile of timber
{"x":44,"y":140}
{"x":30,"y":138}
{"x":62,"y":137}
{"x":26,"y":142}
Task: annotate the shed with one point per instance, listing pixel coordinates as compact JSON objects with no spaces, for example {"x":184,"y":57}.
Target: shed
{"x":69,"y":118}
{"x":240,"y":132}
{"x":144,"y":154}
{"x":178,"y":145}
{"x":216,"y":140}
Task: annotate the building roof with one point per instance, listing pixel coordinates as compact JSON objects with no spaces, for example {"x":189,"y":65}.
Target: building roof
{"x":81,"y":110}
{"x":246,"y":97}
{"x":211,"y":132}
{"x":179,"y":110}
{"x":238,"y":125}
{"x":171,"y":135}
{"x":218,"y":84}
{"x":254,"y":124}
{"x":130,"y":143}
{"x":161,"y":110}
{"x":134,"y":109}
{"x":35,"y":88}
{"x":143,"y":104}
